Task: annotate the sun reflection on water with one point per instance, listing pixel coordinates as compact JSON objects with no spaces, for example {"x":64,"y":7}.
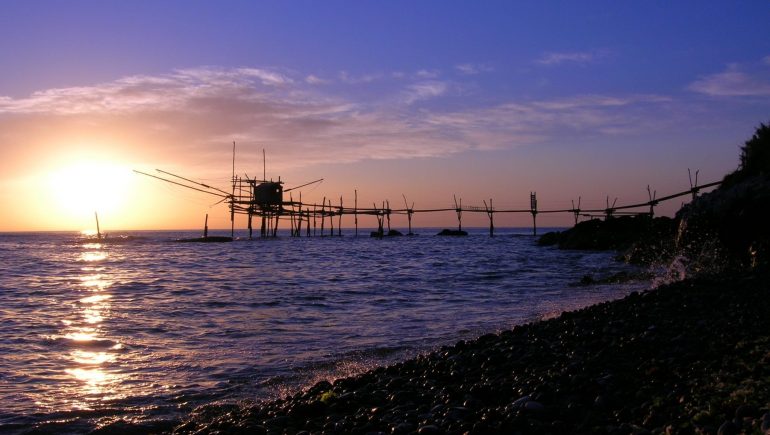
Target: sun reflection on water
{"x":93,"y":256}
{"x":91,"y":360}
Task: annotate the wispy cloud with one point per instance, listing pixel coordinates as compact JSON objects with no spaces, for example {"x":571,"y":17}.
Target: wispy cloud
{"x":578,"y":57}
{"x":424,"y":91}
{"x":427,"y":74}
{"x":315,"y":80}
{"x":346,"y":77}
{"x":735,"y":81}
{"x":473,"y":68}
{"x":191,"y":113}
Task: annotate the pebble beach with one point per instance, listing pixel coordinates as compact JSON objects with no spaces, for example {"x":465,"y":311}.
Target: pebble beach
{"x":688,"y":357}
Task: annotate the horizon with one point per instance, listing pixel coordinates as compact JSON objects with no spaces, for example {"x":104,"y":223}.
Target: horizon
{"x":427,"y":100}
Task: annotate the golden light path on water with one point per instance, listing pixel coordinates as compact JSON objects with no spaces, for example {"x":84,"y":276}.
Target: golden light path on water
{"x":90,"y":358}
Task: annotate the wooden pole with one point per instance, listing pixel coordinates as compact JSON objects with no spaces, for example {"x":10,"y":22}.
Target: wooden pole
{"x":275,"y":228}
{"x":490,"y":213}
{"x":459,"y":210}
{"x":331,"y":219}
{"x":232,"y":199}
{"x":291,"y":216}
{"x":533,"y":210}
{"x":380,"y":231}
{"x":387,"y":213}
{"x":409,"y":212}
{"x":98,"y":231}
{"x":205,"y":227}
{"x":355,"y":210}
{"x":339,"y":225}
{"x":323,"y":215}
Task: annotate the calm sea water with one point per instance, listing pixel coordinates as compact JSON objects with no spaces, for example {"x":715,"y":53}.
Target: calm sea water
{"x":144,"y":329}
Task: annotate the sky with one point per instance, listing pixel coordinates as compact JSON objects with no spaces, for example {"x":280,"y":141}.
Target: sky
{"x":425,"y":99}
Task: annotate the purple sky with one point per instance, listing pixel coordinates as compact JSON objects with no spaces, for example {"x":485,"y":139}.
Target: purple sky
{"x":427,"y":99}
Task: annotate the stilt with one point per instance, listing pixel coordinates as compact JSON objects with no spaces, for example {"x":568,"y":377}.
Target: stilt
{"x":693,"y":187}
{"x":339,"y":224}
{"x":576,"y":210}
{"x":409,"y":213}
{"x":533,"y":210}
{"x":653,"y":202}
{"x":609,"y":211}
{"x":232,"y":203}
{"x":99,"y":232}
{"x":275,"y":228}
{"x":291,"y":217}
{"x":387,"y":213}
{"x":323,"y":215}
{"x":490,"y":213}
{"x":459,"y":211}
{"x":355,"y":210}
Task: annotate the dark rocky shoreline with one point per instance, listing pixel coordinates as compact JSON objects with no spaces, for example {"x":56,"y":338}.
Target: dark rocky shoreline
{"x":690,"y":357}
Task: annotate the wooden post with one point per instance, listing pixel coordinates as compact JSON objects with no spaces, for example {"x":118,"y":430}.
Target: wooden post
{"x":409,"y":212}
{"x":323,"y":215}
{"x":299,"y":216}
{"x":275,"y":228}
{"x":98,"y":231}
{"x":387,"y":213}
{"x":576,"y":211}
{"x":249,"y":224}
{"x":609,"y":210}
{"x":533,"y":210}
{"x":378,"y":213}
{"x":490,"y":213}
{"x":459,"y":210}
{"x":339,"y":225}
{"x":232,"y":199}
{"x":693,"y":187}
{"x":331,"y":219}
{"x":307,"y":214}
{"x":315,"y":216}
{"x":653,"y":202}
{"x":355,"y":209}
{"x":205,"y":227}
{"x":291,"y":216}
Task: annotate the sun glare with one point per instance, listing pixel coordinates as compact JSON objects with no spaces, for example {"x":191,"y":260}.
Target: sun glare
{"x":88,"y":186}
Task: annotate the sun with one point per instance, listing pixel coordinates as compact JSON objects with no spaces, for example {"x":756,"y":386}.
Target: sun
{"x":87,"y":186}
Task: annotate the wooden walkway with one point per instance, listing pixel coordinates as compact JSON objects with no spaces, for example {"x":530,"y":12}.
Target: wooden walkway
{"x":265,"y":202}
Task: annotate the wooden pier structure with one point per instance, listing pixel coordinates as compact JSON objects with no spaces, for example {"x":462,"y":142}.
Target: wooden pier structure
{"x":265,"y":204}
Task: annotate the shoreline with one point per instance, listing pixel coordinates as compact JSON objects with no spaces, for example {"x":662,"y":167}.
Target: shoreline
{"x":689,"y":357}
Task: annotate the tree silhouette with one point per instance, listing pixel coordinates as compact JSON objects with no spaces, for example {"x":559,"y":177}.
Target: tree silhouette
{"x":754,"y":159}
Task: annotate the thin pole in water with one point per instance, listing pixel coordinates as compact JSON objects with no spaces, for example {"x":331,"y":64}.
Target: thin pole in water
{"x":98,"y":232}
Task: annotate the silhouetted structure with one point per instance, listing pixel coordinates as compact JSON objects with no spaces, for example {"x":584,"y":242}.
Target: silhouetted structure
{"x":265,"y":200}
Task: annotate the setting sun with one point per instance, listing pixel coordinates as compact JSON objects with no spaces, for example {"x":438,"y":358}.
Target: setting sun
{"x":88,"y":186}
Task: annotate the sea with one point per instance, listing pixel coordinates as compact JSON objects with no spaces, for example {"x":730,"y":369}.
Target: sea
{"x":139,"y":329}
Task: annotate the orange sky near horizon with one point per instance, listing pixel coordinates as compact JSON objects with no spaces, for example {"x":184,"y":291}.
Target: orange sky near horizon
{"x":425,"y":99}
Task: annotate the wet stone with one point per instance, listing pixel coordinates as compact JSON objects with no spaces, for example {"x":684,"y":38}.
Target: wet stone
{"x":429,"y":430}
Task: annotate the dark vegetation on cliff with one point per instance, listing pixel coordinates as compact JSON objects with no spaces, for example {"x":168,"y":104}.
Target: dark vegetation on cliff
{"x":723,"y":230}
